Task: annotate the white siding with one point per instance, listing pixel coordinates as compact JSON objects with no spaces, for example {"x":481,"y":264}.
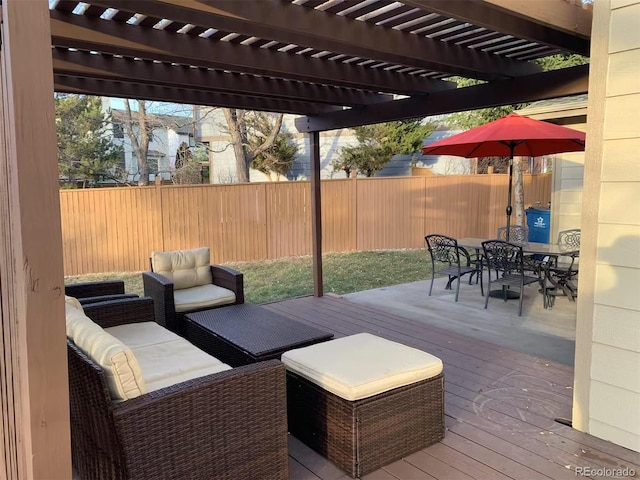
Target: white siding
{"x":607,"y":387}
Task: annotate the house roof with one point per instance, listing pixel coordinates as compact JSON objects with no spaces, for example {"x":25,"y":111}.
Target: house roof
{"x":558,"y":110}
{"x":340,"y":63}
{"x":179,"y":123}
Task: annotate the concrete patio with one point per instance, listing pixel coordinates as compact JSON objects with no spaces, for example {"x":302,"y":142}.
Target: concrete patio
{"x":548,"y":334}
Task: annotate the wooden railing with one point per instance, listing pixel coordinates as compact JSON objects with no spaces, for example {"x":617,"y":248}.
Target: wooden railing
{"x":115,"y":229}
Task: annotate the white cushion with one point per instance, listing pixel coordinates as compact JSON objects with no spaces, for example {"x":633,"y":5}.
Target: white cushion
{"x":203,"y":296}
{"x":362,"y":365}
{"x":185,"y":268}
{"x":164,"y":357}
{"x":123,"y":373}
{"x":73,"y":302}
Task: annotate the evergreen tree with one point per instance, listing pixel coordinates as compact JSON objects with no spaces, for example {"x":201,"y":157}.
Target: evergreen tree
{"x":85,"y":149}
{"x":378,"y":143}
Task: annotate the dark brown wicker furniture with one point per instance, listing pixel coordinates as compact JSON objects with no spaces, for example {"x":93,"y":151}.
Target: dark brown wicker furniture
{"x":91,"y":292}
{"x":230,"y":425}
{"x":364,"y":435}
{"x":161,"y":290}
{"x":247,"y":333}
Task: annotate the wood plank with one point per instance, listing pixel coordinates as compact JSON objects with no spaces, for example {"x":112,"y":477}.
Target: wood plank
{"x":566,"y":438}
{"x":384,"y":474}
{"x":470,"y":466}
{"x":436,"y":467}
{"x":531,"y":460}
{"x":534,"y":442}
{"x":403,"y":469}
{"x":491,"y":458}
{"x":300,"y":472}
{"x":315,"y":463}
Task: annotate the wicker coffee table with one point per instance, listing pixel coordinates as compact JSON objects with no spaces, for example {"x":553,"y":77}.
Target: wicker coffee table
{"x":246,"y":333}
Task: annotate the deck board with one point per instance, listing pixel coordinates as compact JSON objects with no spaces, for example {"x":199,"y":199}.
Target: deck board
{"x":500,"y":406}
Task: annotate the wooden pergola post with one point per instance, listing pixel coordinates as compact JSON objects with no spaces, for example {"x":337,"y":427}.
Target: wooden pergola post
{"x":34,"y":403}
{"x":316,"y":213}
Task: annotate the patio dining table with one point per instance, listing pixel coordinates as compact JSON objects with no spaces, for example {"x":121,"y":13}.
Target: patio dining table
{"x":533,"y":248}
{"x":551,"y":249}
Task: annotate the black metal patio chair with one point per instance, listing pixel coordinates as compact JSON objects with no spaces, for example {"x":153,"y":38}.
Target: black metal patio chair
{"x":517,"y":234}
{"x":561,"y":274}
{"x":507,"y":260}
{"x":446,"y":252}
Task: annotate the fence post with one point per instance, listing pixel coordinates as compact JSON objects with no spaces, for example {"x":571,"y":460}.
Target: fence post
{"x":158,"y":192}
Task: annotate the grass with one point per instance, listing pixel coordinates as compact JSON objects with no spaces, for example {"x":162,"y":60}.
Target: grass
{"x":271,"y":280}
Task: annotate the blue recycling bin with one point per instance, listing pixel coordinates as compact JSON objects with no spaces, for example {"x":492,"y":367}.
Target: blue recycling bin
{"x":539,"y":223}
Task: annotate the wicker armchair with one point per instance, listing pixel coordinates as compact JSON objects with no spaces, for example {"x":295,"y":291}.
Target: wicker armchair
{"x":92,"y":292}
{"x":227,"y":425}
{"x":162,"y":289}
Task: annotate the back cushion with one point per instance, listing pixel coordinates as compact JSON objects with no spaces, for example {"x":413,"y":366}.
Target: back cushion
{"x":122,"y":371}
{"x":74,"y":302}
{"x":185,"y":268}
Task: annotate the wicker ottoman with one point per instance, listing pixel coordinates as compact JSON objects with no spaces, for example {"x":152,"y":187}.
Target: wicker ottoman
{"x":364,"y":402}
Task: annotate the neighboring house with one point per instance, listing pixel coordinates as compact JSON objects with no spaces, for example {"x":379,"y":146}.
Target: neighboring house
{"x":169,"y":131}
{"x":212,"y":131}
{"x":443,"y":164}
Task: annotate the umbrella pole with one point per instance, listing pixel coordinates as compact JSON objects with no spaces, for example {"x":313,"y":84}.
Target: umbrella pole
{"x":509,"y":209}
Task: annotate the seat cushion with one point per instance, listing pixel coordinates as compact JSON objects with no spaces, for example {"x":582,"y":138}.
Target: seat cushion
{"x":165,"y":358}
{"x":362,"y":365}
{"x":200,"y":297}
{"x":185,"y":268}
{"x":122,"y":370}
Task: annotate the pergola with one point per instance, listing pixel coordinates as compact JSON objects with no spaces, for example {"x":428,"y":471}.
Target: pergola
{"x":336,"y":63}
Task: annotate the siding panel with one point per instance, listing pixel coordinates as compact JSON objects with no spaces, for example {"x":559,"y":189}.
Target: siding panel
{"x":617,"y":327}
{"x":624,"y":416}
{"x":616,"y":366}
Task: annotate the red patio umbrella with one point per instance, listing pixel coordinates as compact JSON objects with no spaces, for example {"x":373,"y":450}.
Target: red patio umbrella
{"x":509,"y":136}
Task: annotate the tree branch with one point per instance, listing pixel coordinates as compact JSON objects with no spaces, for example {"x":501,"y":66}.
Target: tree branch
{"x":271,"y":139}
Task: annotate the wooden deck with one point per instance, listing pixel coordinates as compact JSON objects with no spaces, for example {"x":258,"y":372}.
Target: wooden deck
{"x":501,"y":407}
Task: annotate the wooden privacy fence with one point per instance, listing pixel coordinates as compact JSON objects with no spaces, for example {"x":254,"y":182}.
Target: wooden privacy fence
{"x":115,"y":229}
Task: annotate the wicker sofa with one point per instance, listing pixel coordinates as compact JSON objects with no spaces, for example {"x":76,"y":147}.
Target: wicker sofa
{"x":226,"y":425}
{"x":92,"y":292}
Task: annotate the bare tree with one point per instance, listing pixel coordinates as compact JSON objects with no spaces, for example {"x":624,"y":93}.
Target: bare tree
{"x":141,"y":118}
{"x":518,"y":192}
{"x":239,"y":133}
{"x":139,"y":136}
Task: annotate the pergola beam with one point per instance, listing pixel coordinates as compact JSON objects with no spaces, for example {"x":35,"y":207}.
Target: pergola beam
{"x":569,"y":16}
{"x":117,"y":38}
{"x":541,"y":86}
{"x":121,"y":89}
{"x":83,"y":64}
{"x":292,"y":24}
{"x":509,"y":17}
